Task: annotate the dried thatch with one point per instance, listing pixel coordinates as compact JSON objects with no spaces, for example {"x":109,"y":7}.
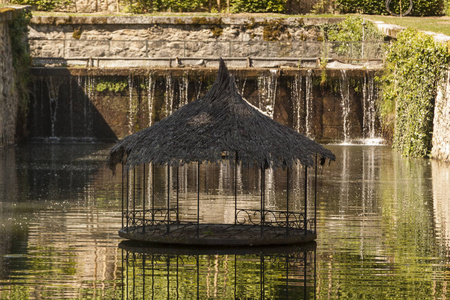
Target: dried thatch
{"x":220,"y":122}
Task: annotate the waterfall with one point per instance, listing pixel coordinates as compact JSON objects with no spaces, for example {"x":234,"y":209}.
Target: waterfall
{"x":267,"y":86}
{"x":270,"y":189}
{"x":168,"y":95}
{"x":131,"y":111}
{"x":369,"y":108}
{"x":297,"y":103}
{"x":183,"y":85}
{"x":151,"y":98}
{"x":309,"y":104}
{"x":240,"y":83}
{"x":88,"y":106}
{"x":53,"y":93}
{"x":71,"y":106}
{"x":345,"y":103}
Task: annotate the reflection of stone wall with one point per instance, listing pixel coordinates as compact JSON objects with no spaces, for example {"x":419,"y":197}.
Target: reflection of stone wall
{"x":441,"y":197}
{"x":8,"y":97}
{"x":8,"y":196}
{"x":441,"y":130}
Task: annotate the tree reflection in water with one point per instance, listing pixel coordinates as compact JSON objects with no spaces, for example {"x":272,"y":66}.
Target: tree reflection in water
{"x":152,"y":272}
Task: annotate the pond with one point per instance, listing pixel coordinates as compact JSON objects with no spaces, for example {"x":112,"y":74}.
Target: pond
{"x":383,"y":233}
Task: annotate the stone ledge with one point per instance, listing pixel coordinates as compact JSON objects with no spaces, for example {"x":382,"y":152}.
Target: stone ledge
{"x":392,"y":31}
{"x":182,"y":20}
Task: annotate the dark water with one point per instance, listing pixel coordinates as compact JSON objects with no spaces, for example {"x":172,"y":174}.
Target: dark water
{"x":383,"y":233}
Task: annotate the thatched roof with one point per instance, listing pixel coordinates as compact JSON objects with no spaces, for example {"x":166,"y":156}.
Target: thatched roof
{"x":219,"y":122}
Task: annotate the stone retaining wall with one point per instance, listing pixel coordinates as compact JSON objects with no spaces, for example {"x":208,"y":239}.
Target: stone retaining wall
{"x":143,"y":36}
{"x":441,"y":130}
{"x":9,"y":99}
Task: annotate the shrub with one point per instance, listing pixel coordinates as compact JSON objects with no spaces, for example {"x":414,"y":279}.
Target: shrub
{"x":378,"y":7}
{"x":238,"y":6}
{"x":415,"y":65}
{"x":44,"y":5}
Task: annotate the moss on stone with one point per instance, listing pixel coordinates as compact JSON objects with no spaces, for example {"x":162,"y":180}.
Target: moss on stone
{"x":216,"y":30}
{"x":206,"y":21}
{"x":77,"y":33}
{"x":274,"y":30}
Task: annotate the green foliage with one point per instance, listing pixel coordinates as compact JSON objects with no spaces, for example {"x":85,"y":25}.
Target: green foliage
{"x":115,"y":85}
{"x":259,"y":6}
{"x":351,"y":30}
{"x":44,"y":5}
{"x":415,"y":65}
{"x":18,"y":30}
{"x":447,"y":7}
{"x":149,"y":6}
{"x":323,"y":7}
{"x":378,"y":7}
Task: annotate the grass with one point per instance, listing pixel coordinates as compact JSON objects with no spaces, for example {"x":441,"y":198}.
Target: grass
{"x":434,"y":24}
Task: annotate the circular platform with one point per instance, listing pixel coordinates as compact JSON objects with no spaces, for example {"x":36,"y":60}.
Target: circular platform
{"x":217,"y":235}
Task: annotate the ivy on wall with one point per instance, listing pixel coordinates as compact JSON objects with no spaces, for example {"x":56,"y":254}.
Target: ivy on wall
{"x":18,"y":30}
{"x":351,"y":29}
{"x":415,"y":64}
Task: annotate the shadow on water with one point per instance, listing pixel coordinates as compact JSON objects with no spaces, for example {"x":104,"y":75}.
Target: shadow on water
{"x":152,"y":272}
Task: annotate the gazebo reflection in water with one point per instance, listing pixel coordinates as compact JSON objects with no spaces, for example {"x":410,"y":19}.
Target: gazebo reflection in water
{"x":287,"y":272}
{"x":218,"y":172}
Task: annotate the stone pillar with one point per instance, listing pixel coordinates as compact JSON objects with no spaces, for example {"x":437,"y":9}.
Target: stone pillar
{"x":8,"y":96}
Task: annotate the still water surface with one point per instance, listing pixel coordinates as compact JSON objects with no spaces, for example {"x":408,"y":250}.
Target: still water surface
{"x":383,"y":233}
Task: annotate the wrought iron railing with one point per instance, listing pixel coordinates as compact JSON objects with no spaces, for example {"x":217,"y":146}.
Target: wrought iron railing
{"x":275,"y":218}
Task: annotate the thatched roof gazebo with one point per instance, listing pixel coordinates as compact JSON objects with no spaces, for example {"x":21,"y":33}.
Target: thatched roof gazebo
{"x":216,"y":128}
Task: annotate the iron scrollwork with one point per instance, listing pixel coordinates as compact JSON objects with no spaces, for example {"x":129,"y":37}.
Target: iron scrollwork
{"x":274,"y":218}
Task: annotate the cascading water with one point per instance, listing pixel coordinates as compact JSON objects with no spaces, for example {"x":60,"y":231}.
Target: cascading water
{"x":71,"y":106}
{"x":168,"y":95}
{"x":131,"y":112}
{"x":88,"y":107}
{"x":74,"y":112}
{"x":298,"y":103}
{"x":267,"y":86}
{"x":345,"y":104}
{"x":369,"y":110}
{"x":53,"y":93}
{"x":183,"y":85}
{"x":270,"y":189}
{"x":240,"y":83}
{"x":151,"y":98}
{"x":309,"y":104}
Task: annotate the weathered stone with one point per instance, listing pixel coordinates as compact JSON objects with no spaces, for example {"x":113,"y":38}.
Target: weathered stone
{"x":441,"y":129}
{"x":9,"y":99}
{"x":234,"y":30}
